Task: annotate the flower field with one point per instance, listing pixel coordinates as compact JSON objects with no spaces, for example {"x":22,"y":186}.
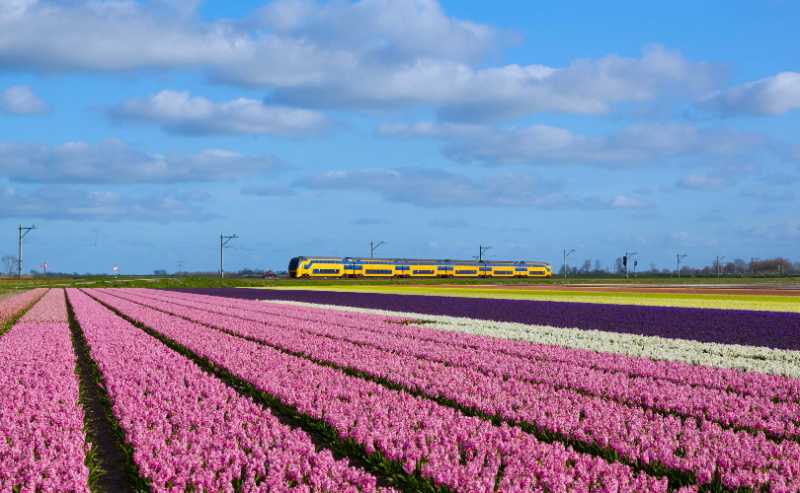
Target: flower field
{"x":211,"y":393}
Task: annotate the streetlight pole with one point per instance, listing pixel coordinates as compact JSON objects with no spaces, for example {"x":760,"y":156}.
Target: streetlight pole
{"x":566,"y":268}
{"x":23,"y":232}
{"x":679,"y":257}
{"x":719,"y":259}
{"x":223,"y":242}
{"x":374,"y":246}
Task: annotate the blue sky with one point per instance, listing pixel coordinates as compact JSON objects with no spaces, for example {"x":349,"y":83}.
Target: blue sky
{"x":134,"y":133}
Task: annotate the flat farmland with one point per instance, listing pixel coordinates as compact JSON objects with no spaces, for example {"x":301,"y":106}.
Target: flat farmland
{"x":134,"y":389}
{"x":768,"y":297}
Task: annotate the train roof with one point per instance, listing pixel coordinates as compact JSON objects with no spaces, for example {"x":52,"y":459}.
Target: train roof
{"x":427,"y":260}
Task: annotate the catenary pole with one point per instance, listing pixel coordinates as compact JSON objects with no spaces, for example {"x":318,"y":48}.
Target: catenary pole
{"x":566,"y":267}
{"x":23,"y":232}
{"x":223,"y":242}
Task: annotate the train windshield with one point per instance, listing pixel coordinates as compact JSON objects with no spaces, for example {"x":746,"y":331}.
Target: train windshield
{"x":294,"y":263}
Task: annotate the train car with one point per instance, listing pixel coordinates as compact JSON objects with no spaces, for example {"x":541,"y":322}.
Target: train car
{"x":400,"y":267}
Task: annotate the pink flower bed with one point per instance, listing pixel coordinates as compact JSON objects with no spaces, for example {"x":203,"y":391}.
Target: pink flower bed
{"x":189,"y":431}
{"x":769,"y":386}
{"x":12,"y":305}
{"x":453,"y":450}
{"x":42,"y":445}
{"x":500,"y":388}
{"x":51,"y":308}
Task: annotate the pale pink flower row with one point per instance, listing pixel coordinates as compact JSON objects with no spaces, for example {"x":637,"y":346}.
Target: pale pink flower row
{"x":42,"y":444}
{"x":188,"y":430}
{"x":701,"y":448}
{"x":51,"y":308}
{"x":451,"y":449}
{"x":12,"y":305}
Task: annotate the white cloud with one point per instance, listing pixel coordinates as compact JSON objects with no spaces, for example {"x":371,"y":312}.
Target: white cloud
{"x":637,"y":145}
{"x":179,"y":112}
{"x":307,"y":53}
{"x":113,"y":161}
{"x":435,"y":188}
{"x":387,"y":29}
{"x":21,"y":100}
{"x":773,"y":95}
{"x":463,"y":92}
{"x":75,"y":205}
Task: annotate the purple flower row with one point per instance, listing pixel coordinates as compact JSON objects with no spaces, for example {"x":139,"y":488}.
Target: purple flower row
{"x":754,"y":328}
{"x":42,"y":445}
{"x":699,"y":447}
{"x":11,"y":306}
{"x":188,"y":430}
{"x":601,"y":365}
{"x":453,"y":450}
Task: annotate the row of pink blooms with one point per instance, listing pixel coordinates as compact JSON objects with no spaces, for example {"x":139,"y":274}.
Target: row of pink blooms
{"x":190,"y":431}
{"x":443,"y":445}
{"x":42,"y":444}
{"x":688,"y":445}
{"x":11,"y":305}
{"x":773,"y":387}
{"x":725,"y":407}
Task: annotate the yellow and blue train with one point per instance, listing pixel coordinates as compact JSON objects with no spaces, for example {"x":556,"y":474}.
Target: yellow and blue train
{"x":403,"y":267}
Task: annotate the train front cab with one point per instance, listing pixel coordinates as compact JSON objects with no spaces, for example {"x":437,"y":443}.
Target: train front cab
{"x":316,"y":267}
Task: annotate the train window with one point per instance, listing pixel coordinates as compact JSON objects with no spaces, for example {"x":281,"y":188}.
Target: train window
{"x":472,"y":272}
{"x":504,"y":272}
{"x":379,"y":271}
{"x":326,"y":271}
{"x":423,"y":272}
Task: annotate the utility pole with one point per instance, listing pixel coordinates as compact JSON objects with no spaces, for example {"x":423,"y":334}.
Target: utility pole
{"x":481,"y":250}
{"x":23,"y":232}
{"x":223,"y":242}
{"x":625,"y":261}
{"x":679,"y":257}
{"x":374,"y":246}
{"x":719,"y":259}
{"x":566,"y":268}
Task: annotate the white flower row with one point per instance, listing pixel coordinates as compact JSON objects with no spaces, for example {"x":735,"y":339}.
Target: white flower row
{"x":748,"y":358}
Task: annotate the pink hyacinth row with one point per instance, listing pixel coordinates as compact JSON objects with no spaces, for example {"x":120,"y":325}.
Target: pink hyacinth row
{"x":51,"y":308}
{"x":42,"y":444}
{"x":701,"y":448}
{"x":12,"y":305}
{"x":724,"y":407}
{"x":453,"y":450}
{"x":191,"y":432}
{"x":772,"y":387}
